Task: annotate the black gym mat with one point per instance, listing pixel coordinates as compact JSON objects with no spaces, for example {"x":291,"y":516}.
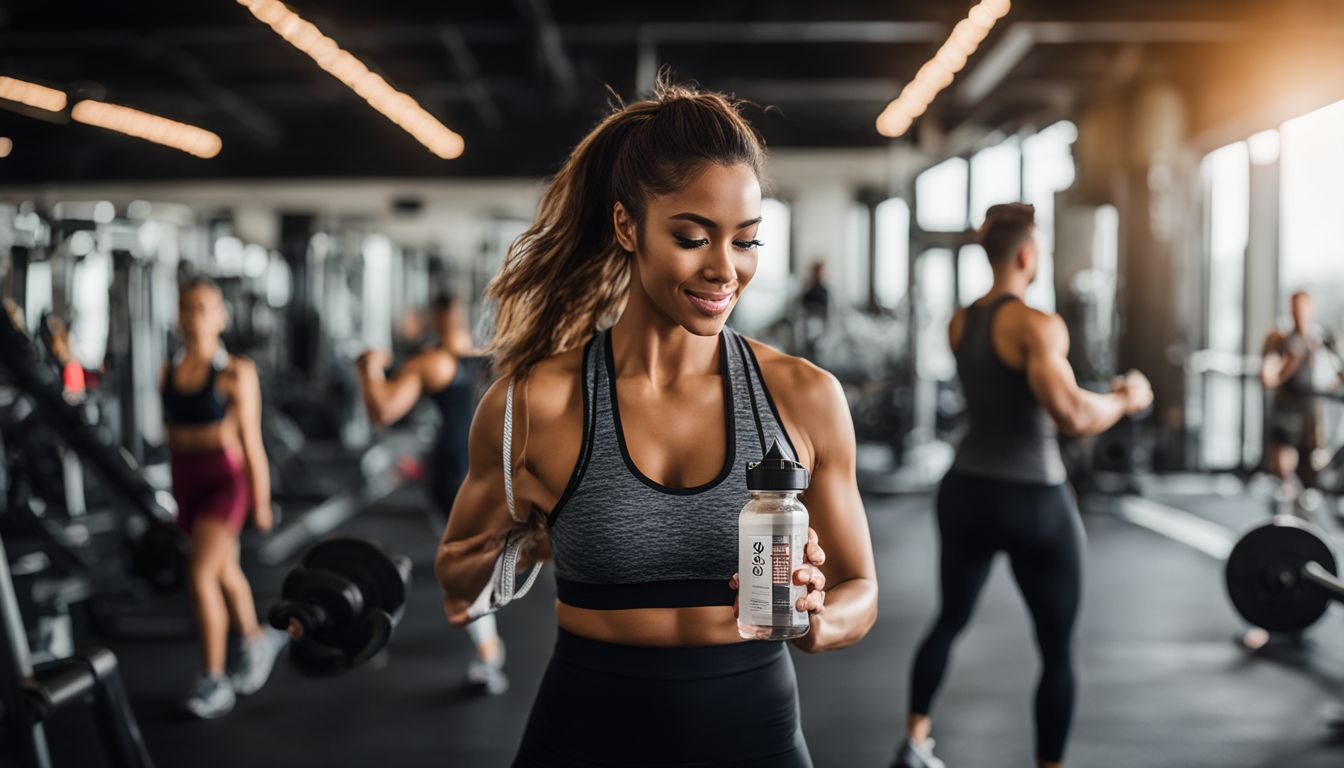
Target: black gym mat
{"x":1161,"y":683}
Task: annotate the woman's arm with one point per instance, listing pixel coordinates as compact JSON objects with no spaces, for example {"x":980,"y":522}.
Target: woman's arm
{"x":248,"y":400}
{"x":480,"y":518}
{"x":812,"y":401}
{"x":387,"y":400}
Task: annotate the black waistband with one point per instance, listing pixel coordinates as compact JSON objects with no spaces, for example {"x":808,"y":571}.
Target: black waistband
{"x":681,"y":593}
{"x":682,"y":662}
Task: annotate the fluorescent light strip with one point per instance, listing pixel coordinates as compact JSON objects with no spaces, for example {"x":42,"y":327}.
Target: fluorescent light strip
{"x":143,"y":125}
{"x":32,"y":94}
{"x":395,"y":105}
{"x":939,"y":71}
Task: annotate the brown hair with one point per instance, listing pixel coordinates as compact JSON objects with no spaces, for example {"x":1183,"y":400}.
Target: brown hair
{"x":567,"y":275}
{"x":1006,"y":227}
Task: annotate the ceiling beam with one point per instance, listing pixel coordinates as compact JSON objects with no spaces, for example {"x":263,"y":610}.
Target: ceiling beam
{"x":467,"y":69}
{"x":1017,"y":41}
{"x":551,"y":44}
{"x":256,"y":121}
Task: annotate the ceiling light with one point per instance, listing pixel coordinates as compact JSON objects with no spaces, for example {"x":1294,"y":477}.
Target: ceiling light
{"x":999,"y":8}
{"x":143,"y":125}
{"x":396,"y":106}
{"x":32,"y":94}
{"x":938,"y":72}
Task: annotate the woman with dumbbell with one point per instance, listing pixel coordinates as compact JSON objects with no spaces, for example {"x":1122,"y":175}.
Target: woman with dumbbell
{"x":634,"y":412}
{"x":212,"y":408}
{"x":451,"y":374}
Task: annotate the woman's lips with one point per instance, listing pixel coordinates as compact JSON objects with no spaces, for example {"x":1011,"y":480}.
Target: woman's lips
{"x":711,"y":304}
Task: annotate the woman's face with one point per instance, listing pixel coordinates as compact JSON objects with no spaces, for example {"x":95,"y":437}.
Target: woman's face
{"x":695,"y":250}
{"x":201,"y":313}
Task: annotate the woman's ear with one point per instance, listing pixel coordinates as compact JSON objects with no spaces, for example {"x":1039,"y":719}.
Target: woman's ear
{"x":624,"y":224}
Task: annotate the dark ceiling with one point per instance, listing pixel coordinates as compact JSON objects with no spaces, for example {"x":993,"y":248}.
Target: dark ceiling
{"x":522,"y":80}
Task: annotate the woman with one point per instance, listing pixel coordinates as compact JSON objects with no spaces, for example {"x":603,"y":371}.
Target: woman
{"x":1007,"y":488}
{"x":629,"y":445}
{"x":449,"y":374}
{"x":212,"y":407}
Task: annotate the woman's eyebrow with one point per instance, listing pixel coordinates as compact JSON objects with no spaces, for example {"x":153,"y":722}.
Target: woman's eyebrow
{"x":710,"y":223}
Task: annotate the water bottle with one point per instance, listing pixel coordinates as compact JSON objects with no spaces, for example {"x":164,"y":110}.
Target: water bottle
{"x":771,"y":535}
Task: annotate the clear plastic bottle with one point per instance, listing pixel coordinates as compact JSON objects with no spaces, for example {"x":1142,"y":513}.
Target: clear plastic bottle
{"x":771,"y":535}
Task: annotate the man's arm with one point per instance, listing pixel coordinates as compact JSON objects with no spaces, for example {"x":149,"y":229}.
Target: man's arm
{"x":1277,"y":364}
{"x":1075,"y":410}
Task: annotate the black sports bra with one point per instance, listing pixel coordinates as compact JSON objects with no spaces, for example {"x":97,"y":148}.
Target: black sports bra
{"x":204,"y":406}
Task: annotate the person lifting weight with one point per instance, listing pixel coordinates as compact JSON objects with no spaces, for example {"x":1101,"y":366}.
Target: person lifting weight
{"x":1006,"y":489}
{"x":212,"y":409}
{"x":1292,"y":367}
{"x":451,"y":374}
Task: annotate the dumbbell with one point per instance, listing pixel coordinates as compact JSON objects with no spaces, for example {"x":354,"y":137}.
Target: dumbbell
{"x":1283,"y":576}
{"x":341,"y":604}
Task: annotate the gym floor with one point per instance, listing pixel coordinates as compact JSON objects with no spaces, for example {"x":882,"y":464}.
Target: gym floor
{"x":1161,"y":681}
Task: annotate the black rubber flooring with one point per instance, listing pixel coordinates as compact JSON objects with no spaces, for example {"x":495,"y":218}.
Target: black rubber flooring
{"x":1161,"y":682}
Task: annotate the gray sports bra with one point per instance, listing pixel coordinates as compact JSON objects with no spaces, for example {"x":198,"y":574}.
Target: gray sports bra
{"x":619,"y":539}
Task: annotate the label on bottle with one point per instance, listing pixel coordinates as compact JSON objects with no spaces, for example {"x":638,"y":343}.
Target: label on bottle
{"x":769,"y":594}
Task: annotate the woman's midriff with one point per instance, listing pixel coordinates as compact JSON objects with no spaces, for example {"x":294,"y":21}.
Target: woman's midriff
{"x":200,"y":438}
{"x":709,"y":625}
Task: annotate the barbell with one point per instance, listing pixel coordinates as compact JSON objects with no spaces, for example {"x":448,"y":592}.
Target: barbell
{"x":1282,"y":576}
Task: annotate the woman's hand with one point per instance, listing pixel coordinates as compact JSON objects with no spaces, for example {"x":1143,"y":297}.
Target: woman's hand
{"x":373,"y":360}
{"x":809,"y":575}
{"x":263,"y":517}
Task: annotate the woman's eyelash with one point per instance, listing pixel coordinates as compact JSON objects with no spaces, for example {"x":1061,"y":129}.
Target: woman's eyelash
{"x":686,"y":242}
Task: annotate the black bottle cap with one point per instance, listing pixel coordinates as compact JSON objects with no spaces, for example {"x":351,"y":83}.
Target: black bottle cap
{"x":776,"y":472}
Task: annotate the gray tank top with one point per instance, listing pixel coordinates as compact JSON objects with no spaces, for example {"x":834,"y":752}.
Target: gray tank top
{"x":1303,"y":345}
{"x":1010,"y":436}
{"x":620,"y":540}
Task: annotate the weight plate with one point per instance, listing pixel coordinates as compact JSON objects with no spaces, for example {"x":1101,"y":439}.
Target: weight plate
{"x":1264,"y":575}
{"x":383,"y":578}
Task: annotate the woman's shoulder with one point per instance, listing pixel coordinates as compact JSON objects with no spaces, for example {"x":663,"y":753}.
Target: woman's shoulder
{"x":797,"y":385}
{"x":545,"y":389}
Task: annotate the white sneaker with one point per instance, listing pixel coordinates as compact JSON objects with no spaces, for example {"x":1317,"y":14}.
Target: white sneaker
{"x":210,"y":697}
{"x":489,"y":674}
{"x":913,"y":755}
{"x":257,"y":660}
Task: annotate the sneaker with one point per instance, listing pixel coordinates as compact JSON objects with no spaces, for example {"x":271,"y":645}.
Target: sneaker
{"x":912,"y":755}
{"x":210,"y":697}
{"x":257,"y":660}
{"x":489,"y":674}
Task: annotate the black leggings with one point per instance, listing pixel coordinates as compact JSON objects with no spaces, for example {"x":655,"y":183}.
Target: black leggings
{"x":603,"y":704}
{"x":1038,"y":526}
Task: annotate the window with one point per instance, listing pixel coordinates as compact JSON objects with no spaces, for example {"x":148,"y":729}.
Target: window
{"x":767,"y":299}
{"x":996,"y":177}
{"x":937,"y":295}
{"x":1311,"y":251}
{"x":940,"y":196}
{"x":1311,"y":199}
{"x":892,"y":266}
{"x":1048,"y":168}
{"x":974,"y":274}
{"x":858,"y":247}
{"x":1227,"y":182}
